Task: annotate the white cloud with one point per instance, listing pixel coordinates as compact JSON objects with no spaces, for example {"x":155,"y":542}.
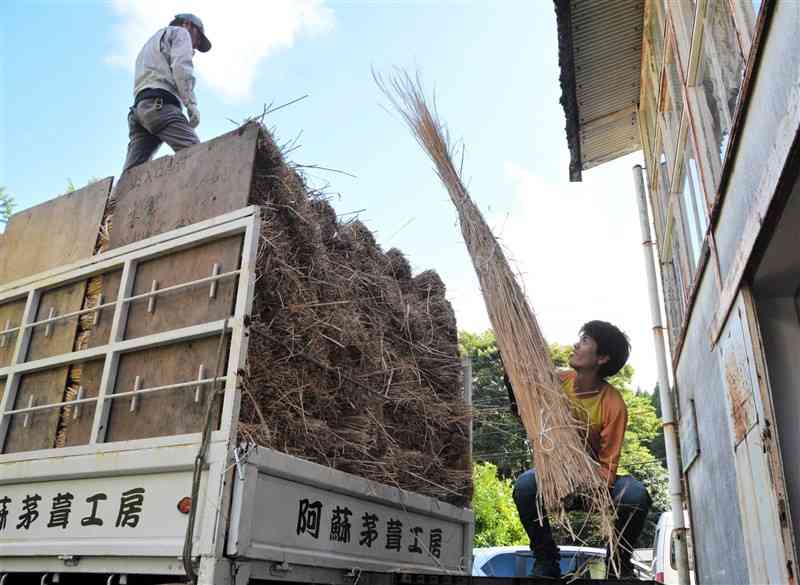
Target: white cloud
{"x":243,"y":34}
{"x":577,"y":247}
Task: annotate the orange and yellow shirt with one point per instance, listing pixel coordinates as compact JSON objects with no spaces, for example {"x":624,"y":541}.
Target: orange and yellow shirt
{"x":606,"y":417}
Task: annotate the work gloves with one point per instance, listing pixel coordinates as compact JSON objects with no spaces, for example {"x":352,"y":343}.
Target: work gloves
{"x":194,"y":115}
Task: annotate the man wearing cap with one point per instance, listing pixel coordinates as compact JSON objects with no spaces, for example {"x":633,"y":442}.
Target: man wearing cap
{"x":164,"y":79}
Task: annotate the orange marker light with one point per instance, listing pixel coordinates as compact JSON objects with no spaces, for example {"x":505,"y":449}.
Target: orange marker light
{"x":185,"y":505}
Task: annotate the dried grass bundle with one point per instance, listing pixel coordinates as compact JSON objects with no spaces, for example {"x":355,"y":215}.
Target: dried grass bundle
{"x":562,"y":464}
{"x":352,"y":360}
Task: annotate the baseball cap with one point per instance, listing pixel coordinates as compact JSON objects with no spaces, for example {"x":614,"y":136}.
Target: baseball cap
{"x":203,"y":45}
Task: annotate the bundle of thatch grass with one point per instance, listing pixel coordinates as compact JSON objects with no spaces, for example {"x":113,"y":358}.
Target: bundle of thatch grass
{"x":561,"y":461}
{"x":352,"y":361}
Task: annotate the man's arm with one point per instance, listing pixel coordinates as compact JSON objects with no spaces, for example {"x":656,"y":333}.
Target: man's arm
{"x":512,"y":400}
{"x":562,"y":376}
{"x":180,"y":61}
{"x":612,"y":434}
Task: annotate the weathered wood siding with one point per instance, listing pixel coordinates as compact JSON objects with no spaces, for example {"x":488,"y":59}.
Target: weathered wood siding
{"x":711,"y":478}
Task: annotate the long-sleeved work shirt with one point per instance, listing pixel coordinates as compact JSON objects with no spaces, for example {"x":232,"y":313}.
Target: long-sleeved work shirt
{"x":165,"y":62}
{"x":606,"y":417}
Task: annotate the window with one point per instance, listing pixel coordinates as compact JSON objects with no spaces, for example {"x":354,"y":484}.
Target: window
{"x":745,"y":13}
{"x":673,"y":300}
{"x":694,"y":212}
{"x":671,"y":106}
{"x":683,"y":12}
{"x":655,"y":33}
{"x":659,"y":193}
{"x":648,"y":118}
{"x":719,"y":80}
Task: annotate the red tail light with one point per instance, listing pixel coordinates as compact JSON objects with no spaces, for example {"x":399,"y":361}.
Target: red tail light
{"x":659,"y":577}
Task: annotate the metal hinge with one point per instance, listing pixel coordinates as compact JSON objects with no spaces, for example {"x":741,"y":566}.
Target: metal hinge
{"x":70,"y":560}
{"x":240,"y":455}
{"x":280,"y":568}
{"x":782,"y":515}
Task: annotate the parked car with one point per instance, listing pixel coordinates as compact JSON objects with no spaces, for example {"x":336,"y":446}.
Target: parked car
{"x":642,"y":560}
{"x":517,"y":561}
{"x":665,"y":568}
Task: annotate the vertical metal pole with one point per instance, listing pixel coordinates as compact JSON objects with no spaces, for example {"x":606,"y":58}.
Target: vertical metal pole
{"x":20,"y":354}
{"x":665,"y":393}
{"x":466,"y":368}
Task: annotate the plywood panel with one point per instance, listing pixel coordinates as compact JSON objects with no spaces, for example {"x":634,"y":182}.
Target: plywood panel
{"x":57,"y":232}
{"x":61,"y":339}
{"x":195,"y":184}
{"x":189,"y":306}
{"x":98,"y":333}
{"x":78,"y":430}
{"x":49,"y":386}
{"x":11,"y":314}
{"x":45,"y":388}
{"x":171,"y":412}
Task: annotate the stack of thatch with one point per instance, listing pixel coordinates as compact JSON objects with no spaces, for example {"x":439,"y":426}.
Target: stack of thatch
{"x":353,"y":361}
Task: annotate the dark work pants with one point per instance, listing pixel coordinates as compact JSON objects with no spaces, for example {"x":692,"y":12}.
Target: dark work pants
{"x":632,"y":500}
{"x":152,"y":122}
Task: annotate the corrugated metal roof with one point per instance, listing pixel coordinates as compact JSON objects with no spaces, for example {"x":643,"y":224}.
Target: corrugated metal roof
{"x":600,"y":53}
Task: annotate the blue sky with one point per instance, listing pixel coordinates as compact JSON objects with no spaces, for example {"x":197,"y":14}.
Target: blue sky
{"x":65,"y":87}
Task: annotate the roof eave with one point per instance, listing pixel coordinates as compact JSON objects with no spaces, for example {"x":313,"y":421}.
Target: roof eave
{"x":569,"y":99}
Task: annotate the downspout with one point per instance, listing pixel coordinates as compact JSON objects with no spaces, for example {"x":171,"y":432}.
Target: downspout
{"x":665,"y":393}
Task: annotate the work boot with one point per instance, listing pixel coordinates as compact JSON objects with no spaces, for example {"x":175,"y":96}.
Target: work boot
{"x":624,"y":567}
{"x":545,"y":565}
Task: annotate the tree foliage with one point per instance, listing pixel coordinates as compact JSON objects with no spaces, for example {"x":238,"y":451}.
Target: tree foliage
{"x":499,"y":437}
{"x":7,"y":205}
{"x":496,"y":519}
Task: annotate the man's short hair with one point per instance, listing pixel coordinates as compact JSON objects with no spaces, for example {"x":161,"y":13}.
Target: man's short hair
{"x":176,"y":21}
{"x":611,"y":342}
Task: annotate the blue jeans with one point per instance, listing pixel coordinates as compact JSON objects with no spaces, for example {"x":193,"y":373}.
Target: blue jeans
{"x":632,"y":500}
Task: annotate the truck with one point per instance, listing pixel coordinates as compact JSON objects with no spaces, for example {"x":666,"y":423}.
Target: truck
{"x":124,"y":358}
{"x":137,"y":472}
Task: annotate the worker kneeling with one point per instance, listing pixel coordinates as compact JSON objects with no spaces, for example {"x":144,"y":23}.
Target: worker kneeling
{"x":601,"y":352}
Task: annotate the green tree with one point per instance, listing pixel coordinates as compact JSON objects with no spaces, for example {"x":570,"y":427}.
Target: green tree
{"x":71,"y":186}
{"x":498,"y":435}
{"x":496,"y":519}
{"x":7,"y":205}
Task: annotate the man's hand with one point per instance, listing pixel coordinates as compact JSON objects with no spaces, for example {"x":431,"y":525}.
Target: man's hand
{"x":194,"y":115}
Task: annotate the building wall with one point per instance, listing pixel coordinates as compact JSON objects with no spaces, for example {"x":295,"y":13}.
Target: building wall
{"x":691,"y":96}
{"x":711,"y":478}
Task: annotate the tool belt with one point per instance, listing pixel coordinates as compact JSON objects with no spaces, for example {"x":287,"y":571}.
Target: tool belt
{"x":154,"y":94}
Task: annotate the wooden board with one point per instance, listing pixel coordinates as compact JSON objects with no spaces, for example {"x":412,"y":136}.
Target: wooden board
{"x":189,"y":306}
{"x":46,"y":387}
{"x":171,"y":412}
{"x":197,"y":183}
{"x":63,"y":300}
{"x":100,"y":332}
{"x":78,"y":430}
{"x":11,"y":313}
{"x":57,"y":232}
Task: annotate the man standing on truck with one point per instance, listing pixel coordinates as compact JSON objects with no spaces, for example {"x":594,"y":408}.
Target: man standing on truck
{"x":163,"y":80}
{"x":601,"y":351}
